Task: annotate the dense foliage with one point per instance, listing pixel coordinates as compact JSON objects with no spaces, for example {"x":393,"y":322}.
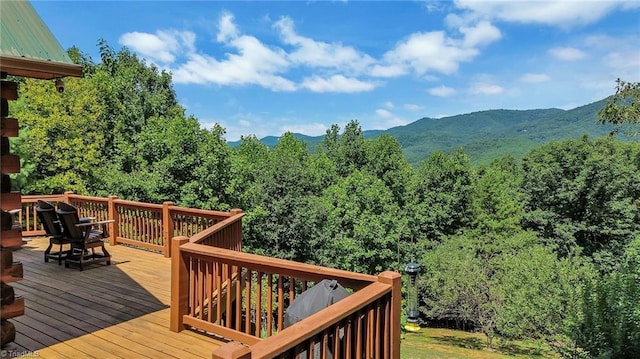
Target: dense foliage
{"x":527,"y":248}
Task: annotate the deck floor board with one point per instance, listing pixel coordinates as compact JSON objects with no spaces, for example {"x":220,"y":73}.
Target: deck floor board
{"x":116,"y":311}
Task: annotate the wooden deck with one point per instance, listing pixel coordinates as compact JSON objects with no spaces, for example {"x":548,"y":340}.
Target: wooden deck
{"x":116,"y":311}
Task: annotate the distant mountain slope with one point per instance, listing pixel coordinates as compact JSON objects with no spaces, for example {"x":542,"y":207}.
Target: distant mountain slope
{"x":485,"y":135}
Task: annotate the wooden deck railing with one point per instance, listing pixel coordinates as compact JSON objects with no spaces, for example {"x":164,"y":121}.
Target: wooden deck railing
{"x":146,"y":225}
{"x":243,"y":297}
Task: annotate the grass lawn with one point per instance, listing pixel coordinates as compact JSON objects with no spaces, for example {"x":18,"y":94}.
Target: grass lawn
{"x":455,"y":344}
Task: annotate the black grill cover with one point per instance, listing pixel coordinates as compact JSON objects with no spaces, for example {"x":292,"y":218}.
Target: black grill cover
{"x":311,"y":301}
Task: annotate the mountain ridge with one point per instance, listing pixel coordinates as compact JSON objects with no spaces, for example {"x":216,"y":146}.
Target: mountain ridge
{"x":485,"y":134}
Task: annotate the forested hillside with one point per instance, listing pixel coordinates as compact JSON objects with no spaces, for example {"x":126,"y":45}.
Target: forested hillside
{"x":486,"y":135}
{"x":546,"y":246}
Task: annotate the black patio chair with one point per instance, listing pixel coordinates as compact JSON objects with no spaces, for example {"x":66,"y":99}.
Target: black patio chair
{"x":47,"y":215}
{"x":85,"y":237}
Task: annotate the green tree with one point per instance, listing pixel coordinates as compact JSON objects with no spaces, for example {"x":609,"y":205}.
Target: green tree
{"x":347,"y":151}
{"x":439,"y":201}
{"x":611,"y":326}
{"x":584,"y":193}
{"x":504,"y":286}
{"x":624,"y":106}
{"x":361,"y":231}
{"x":497,"y":197}
{"x":65,"y":140}
{"x":386,"y":161}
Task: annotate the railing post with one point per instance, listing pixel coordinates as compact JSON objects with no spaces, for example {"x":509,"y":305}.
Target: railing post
{"x":179,"y":285}
{"x":394,"y":279}
{"x":232,"y":350}
{"x":66,"y":196}
{"x":115,"y":226}
{"x":167,"y":228}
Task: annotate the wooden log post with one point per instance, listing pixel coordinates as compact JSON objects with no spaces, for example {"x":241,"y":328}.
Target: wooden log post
{"x":114,"y":227}
{"x":167,"y":228}
{"x":179,"y":285}
{"x":394,"y":279}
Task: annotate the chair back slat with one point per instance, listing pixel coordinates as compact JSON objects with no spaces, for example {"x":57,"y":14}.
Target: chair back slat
{"x":47,"y":215}
{"x":68,"y":216}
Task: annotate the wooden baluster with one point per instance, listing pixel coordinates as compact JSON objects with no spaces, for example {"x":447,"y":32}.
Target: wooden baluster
{"x":247,"y":319}
{"x":292,"y":289}
{"x":238,"y":321}
{"x":259,"y":305}
{"x":348,"y":335}
{"x":358,"y":328}
{"x":280,"y":303}
{"x":269,"y":304}
{"x":377,"y":327}
{"x":336,"y":340}
{"x":387,"y":324}
{"x":192,"y":287}
{"x":229,"y":296}
{"x":202,"y":281}
{"x":325,"y":344}
{"x":219,"y":282}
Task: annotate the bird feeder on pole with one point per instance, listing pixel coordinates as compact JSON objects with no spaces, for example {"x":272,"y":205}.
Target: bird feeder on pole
{"x":413,"y":314}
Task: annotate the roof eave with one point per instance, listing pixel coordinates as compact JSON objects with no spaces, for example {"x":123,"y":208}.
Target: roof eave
{"x":39,"y":69}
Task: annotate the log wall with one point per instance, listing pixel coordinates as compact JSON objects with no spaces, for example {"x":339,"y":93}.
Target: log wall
{"x":11,"y":305}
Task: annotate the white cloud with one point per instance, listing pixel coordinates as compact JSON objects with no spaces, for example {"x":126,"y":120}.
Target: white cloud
{"x":309,"y":129}
{"x":309,"y":52}
{"x":535,"y":78}
{"x":624,"y":64}
{"x":412,"y":107}
{"x":567,"y":53}
{"x":388,"y":120}
{"x":254,"y":63}
{"x":621,"y":55}
{"x":555,"y":13}
{"x":429,"y":51}
{"x":336,"y":83}
{"x":441,"y":91}
{"x":226,"y":28}
{"x":481,"y":88}
{"x":481,"y":34}
{"x":389,"y":105}
{"x":160,"y":47}
{"x":393,"y":70}
{"x":382,"y":113}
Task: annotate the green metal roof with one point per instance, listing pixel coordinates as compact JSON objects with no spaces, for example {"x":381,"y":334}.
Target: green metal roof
{"x":26,"y":39}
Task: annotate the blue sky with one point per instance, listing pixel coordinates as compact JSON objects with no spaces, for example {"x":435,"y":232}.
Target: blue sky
{"x":268,"y":67}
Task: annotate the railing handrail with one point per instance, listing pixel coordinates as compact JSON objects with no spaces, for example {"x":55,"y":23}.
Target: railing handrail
{"x":318,"y":322}
{"x":197,"y":238}
{"x":34,"y":197}
{"x":285,"y":267}
{"x":87,"y":198}
{"x":203,"y":212}
{"x":135,"y":204}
